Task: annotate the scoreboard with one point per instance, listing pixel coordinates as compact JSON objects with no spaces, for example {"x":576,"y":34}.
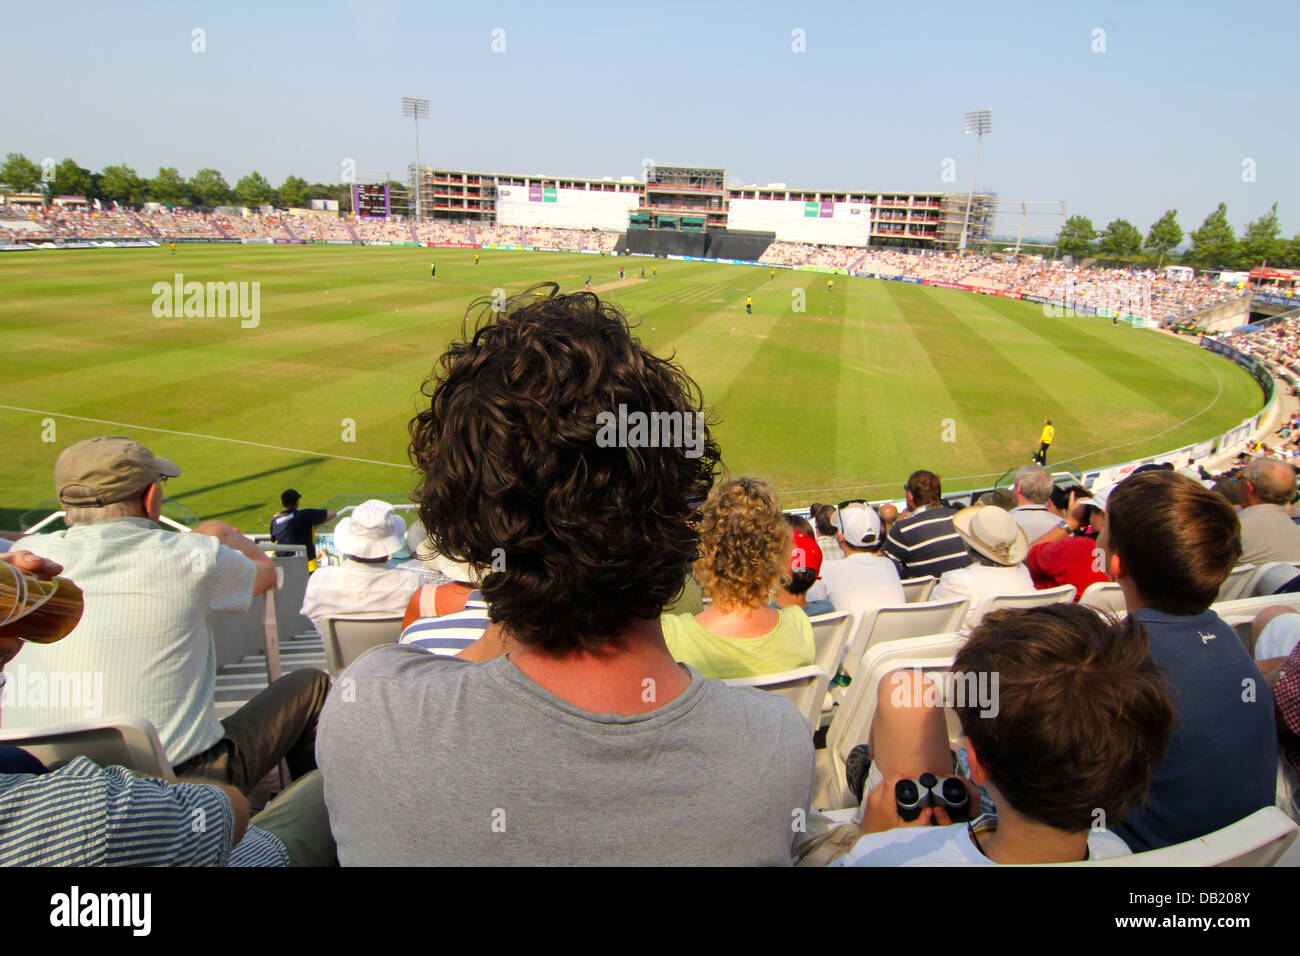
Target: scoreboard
{"x":371,"y":200}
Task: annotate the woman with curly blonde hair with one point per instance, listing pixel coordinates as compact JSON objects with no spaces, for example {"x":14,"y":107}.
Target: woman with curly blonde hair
{"x":745,"y":547}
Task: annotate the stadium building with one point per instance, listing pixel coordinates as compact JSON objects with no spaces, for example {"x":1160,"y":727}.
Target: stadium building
{"x":695,"y":201}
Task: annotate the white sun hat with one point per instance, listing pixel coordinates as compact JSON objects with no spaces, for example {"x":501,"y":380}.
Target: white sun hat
{"x":373,"y":530}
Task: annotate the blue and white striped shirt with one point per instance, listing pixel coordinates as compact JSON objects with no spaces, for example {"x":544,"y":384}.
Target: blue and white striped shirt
{"x":85,"y":815}
{"x":449,"y":634}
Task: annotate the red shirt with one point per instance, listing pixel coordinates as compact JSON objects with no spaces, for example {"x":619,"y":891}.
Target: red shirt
{"x":1068,"y":561}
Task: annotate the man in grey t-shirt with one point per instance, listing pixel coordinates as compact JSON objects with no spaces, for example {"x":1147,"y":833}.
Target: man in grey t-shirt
{"x":567,"y":734}
{"x":450,"y":762}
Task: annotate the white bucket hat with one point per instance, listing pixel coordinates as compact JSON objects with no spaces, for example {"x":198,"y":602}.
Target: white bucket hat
{"x":993,"y":533}
{"x":373,"y":530}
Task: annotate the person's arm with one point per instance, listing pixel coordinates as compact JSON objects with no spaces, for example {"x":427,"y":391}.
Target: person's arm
{"x":232,"y":539}
{"x":239,"y":805}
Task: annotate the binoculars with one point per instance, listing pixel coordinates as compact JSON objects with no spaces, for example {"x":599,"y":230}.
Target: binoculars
{"x":913,"y":796}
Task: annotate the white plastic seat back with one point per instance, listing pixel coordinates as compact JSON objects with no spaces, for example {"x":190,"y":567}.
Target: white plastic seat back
{"x":1236,"y":584}
{"x":830,"y":636}
{"x":1002,"y":602}
{"x":1272,"y":574}
{"x":897,"y":622}
{"x":1258,"y":840}
{"x":852,"y":723}
{"x":348,"y":637}
{"x":916,"y":590}
{"x":122,"y":741}
{"x":806,"y":686}
{"x":1104,"y":596}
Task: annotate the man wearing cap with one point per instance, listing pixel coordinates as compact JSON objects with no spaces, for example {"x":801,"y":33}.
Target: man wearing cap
{"x":148,"y":594}
{"x":367,"y":581}
{"x":804,"y":572}
{"x":1000,"y":546}
{"x":863,"y":579}
{"x":294,"y":525}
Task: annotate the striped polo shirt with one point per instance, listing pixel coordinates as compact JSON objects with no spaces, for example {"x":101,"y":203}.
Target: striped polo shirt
{"x":449,"y":634}
{"x":925,"y":542}
{"x":84,"y":815}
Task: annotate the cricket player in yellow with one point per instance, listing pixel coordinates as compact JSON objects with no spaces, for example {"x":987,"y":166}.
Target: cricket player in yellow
{"x":1044,"y":442}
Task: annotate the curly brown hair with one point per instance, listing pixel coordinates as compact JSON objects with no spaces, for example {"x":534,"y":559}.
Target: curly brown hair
{"x":745,"y":544}
{"x":582,"y":540}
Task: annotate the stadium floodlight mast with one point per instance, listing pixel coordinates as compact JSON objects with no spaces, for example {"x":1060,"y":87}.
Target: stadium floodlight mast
{"x":978,"y":122}
{"x":419,"y":109}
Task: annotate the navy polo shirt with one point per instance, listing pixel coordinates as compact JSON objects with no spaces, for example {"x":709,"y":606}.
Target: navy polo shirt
{"x":1221,"y":764}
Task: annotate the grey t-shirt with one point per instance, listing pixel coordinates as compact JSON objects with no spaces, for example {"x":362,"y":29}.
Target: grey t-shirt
{"x":433,"y":761}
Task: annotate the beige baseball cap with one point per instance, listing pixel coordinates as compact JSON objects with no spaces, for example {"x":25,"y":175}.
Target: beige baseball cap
{"x":114,"y":468}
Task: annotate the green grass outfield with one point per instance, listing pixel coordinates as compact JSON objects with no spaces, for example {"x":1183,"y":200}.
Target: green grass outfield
{"x":842,"y":400}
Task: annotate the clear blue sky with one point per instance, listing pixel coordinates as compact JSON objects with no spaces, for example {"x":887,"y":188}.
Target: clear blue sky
{"x":1183,"y":93}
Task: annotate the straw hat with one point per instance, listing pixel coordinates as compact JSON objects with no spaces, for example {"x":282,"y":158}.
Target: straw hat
{"x":992,"y":532}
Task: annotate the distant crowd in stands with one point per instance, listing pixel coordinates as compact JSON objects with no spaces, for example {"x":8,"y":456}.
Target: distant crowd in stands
{"x":1145,"y":293}
{"x":22,"y":223}
{"x":1142,"y":292}
{"x":568,"y":640}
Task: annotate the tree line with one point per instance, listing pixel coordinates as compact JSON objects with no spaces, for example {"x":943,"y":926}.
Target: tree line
{"x":206,"y":189}
{"x":1213,"y":246}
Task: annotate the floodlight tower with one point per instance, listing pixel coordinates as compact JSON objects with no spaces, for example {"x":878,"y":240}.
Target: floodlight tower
{"x":419,"y":109}
{"x":978,"y":122}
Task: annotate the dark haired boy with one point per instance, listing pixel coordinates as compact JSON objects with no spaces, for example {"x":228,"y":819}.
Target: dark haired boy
{"x":586,"y":743}
{"x":1035,"y":691}
{"x":1170,"y":544}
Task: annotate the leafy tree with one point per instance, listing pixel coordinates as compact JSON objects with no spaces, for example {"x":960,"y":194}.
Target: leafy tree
{"x":169,"y":188}
{"x":120,"y":183}
{"x":19,"y":173}
{"x":253,"y":190}
{"x":293,"y":192}
{"x":1121,"y":238}
{"x":1261,"y":241}
{"x":1076,"y":236}
{"x":1290,"y":258}
{"x":73,"y":180}
{"x":1213,"y":245}
{"x":1165,"y":234}
{"x":209,"y":188}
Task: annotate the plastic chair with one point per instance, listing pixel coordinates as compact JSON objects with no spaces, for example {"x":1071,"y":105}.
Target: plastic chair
{"x":902,"y":621}
{"x":1258,"y":840}
{"x":1271,"y":573}
{"x":916,"y":590}
{"x":347,"y":637}
{"x":852,"y":723}
{"x":122,"y":741}
{"x":1236,"y":584}
{"x":806,"y":686}
{"x":1001,"y":602}
{"x":830,"y":635}
{"x":1104,"y":596}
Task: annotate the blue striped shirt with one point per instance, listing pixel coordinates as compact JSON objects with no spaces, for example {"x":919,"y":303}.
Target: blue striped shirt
{"x":449,"y":634}
{"x":85,"y":815}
